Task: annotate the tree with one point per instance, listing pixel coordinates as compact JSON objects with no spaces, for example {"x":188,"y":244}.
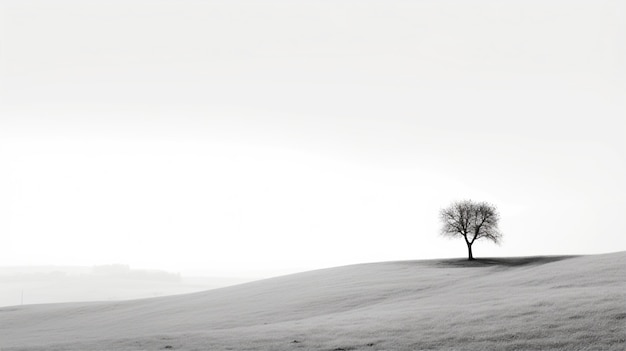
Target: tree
{"x":472,"y":221}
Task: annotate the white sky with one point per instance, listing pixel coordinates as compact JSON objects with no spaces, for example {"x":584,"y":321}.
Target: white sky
{"x":265,"y":137}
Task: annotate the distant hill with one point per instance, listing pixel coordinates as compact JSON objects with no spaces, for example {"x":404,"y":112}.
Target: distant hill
{"x":531,"y":303}
{"x":54,"y":284}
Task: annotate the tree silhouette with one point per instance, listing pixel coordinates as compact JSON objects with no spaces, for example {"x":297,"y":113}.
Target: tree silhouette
{"x":472,"y":221}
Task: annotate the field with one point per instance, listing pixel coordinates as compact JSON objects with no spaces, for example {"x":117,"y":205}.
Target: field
{"x":525,"y":303}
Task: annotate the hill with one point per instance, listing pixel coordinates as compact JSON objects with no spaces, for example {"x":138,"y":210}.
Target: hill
{"x":54,"y":284}
{"x":529,"y":303}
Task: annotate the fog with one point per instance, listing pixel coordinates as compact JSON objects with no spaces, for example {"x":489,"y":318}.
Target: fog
{"x":251,"y":139}
{"x":59,"y":284}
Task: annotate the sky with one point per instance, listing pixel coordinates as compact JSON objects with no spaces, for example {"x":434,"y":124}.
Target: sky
{"x":255,"y":138}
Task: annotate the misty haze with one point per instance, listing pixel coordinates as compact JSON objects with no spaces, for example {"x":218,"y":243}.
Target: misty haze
{"x":312,"y":175}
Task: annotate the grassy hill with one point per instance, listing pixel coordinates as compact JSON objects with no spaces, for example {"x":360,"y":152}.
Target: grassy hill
{"x":529,"y":303}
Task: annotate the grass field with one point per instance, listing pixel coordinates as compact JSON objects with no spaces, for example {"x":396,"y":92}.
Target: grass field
{"x":528,"y":303}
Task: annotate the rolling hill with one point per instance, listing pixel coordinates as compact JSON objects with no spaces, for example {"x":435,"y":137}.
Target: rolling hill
{"x":526,"y":303}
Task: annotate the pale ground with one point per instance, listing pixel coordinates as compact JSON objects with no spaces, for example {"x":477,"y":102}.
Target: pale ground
{"x":541,"y":303}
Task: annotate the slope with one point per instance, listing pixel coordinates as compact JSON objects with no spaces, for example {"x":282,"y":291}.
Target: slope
{"x":576,"y":303}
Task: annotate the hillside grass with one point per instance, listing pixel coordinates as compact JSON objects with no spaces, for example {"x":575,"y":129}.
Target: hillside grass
{"x":530,"y":303}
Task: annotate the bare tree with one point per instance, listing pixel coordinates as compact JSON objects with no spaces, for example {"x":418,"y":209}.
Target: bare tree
{"x":472,"y":221}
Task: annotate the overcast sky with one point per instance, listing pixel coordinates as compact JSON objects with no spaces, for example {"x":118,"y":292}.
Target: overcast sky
{"x":266,"y":137}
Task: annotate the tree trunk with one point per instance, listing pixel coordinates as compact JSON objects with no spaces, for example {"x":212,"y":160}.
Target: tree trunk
{"x":470,"y":257}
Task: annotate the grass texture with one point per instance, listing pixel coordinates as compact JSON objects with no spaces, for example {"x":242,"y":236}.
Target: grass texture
{"x":527,"y":303}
